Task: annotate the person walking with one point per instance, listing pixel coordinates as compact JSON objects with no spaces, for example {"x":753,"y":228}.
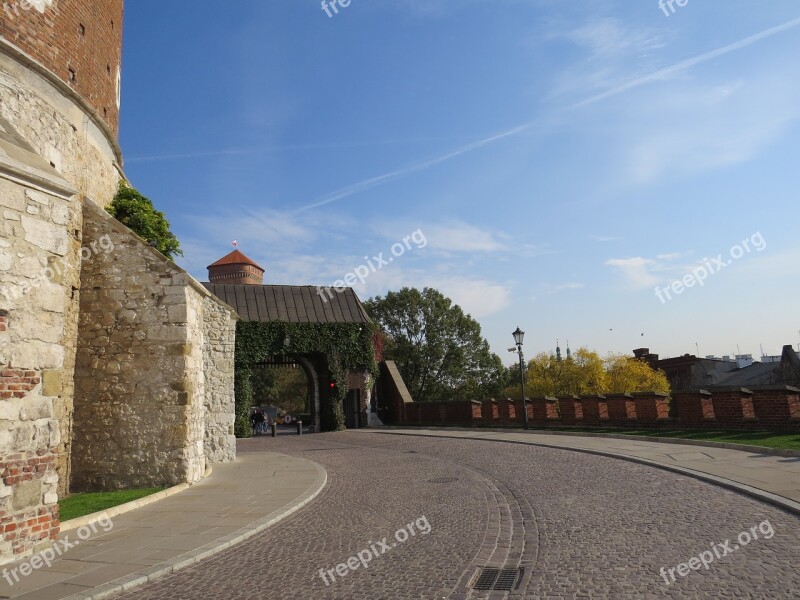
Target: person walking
{"x":254,"y":421}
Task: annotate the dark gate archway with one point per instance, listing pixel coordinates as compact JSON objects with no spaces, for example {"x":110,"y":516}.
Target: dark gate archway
{"x":311,"y":370}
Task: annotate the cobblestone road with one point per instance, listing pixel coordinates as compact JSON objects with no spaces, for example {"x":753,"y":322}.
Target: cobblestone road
{"x":582,"y":526}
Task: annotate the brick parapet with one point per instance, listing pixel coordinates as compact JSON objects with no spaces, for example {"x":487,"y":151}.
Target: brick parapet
{"x":774,"y":408}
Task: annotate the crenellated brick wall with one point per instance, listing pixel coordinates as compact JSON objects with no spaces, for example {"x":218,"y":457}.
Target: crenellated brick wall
{"x":763,"y":408}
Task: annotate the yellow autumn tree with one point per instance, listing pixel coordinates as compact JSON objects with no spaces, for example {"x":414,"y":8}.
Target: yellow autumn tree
{"x":585,"y":372}
{"x":626,"y":374}
{"x":582,"y":373}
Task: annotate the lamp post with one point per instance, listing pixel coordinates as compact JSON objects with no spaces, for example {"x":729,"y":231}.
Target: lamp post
{"x":519,"y":335}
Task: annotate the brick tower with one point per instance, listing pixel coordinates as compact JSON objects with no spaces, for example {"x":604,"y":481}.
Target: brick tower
{"x":236,"y":268}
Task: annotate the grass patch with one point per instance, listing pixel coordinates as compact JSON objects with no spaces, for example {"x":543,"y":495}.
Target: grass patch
{"x":765,"y":439}
{"x":79,"y":505}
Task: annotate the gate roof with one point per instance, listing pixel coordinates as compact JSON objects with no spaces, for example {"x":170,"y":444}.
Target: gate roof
{"x":291,"y":303}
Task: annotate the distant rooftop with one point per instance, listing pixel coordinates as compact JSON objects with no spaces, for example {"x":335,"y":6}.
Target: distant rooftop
{"x":235,"y":258}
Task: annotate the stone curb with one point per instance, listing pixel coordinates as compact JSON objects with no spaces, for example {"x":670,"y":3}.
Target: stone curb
{"x":759,"y":494}
{"x":192,"y":557}
{"x":120,"y":509}
{"x":621,"y":436}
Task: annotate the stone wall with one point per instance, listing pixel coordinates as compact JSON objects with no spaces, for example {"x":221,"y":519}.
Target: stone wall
{"x":140,"y":386}
{"x":58,"y":128}
{"x":38,"y":259}
{"x":219,"y":331}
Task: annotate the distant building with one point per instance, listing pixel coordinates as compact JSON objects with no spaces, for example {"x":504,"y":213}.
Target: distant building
{"x":236,"y":269}
{"x":689,"y":372}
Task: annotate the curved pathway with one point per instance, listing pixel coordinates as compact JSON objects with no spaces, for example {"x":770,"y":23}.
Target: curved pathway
{"x":580,"y":526}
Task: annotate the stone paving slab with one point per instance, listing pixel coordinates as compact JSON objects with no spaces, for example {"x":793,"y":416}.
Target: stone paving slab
{"x":234,"y":503}
{"x":775,"y":479}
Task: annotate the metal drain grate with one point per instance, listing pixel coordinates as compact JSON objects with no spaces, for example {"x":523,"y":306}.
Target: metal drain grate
{"x":497,"y":579}
{"x":507,"y":579}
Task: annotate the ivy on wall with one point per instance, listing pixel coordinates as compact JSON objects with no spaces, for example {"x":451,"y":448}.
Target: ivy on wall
{"x":347,"y":347}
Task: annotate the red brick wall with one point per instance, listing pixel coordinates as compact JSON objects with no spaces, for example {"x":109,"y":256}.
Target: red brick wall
{"x":595,"y":409}
{"x":651,"y":407}
{"x":570,"y":409}
{"x":26,"y":529}
{"x":770,"y":408}
{"x":519,"y":411}
{"x":236,"y":274}
{"x":543,"y":410}
{"x":621,"y":407}
{"x":443,"y":413}
{"x":489,"y":410}
{"x":777,"y":406}
{"x":79,"y":36}
{"x":16,"y":383}
{"x":733,"y":406}
{"x":508,"y":411}
{"x":692,"y":407}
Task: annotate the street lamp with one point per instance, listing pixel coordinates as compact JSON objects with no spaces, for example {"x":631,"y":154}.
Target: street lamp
{"x":519,"y":335}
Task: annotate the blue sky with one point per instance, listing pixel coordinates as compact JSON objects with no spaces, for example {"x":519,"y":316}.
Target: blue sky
{"x":561,"y":159}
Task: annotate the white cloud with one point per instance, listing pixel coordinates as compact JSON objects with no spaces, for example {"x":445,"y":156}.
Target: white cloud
{"x":457,"y":236}
{"x":274,"y":239}
{"x":636,"y":270}
{"x":609,"y":37}
{"x":700,"y":128}
{"x":672,"y":256}
{"x":605,"y":238}
{"x":555,"y":288}
{"x":477,"y":297}
{"x":611,"y":47}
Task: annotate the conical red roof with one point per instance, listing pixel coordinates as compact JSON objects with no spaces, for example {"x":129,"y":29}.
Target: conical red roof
{"x":236,"y":258}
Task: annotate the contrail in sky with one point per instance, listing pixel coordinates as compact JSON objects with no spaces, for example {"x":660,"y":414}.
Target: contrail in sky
{"x":372,"y":182}
{"x":659,"y":75}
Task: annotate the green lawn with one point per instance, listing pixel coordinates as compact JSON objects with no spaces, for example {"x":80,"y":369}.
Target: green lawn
{"x":765,"y":439}
{"x":79,"y":505}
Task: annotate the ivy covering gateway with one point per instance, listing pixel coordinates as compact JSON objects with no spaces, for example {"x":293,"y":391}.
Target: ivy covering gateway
{"x":348,"y":347}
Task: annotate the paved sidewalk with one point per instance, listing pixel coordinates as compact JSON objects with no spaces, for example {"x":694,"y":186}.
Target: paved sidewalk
{"x":235,"y":502}
{"x":774,"y":479}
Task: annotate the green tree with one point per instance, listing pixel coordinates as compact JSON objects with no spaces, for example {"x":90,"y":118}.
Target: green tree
{"x":439,"y":350}
{"x":137,"y":212}
{"x":286,"y":388}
